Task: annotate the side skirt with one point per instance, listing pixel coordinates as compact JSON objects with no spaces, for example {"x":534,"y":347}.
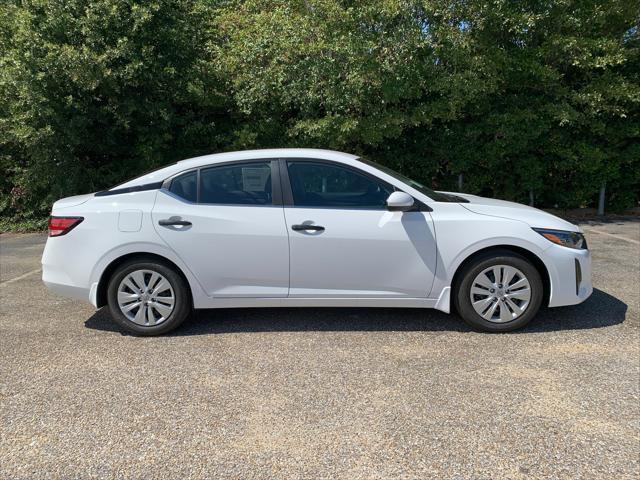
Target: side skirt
{"x":441,"y":303}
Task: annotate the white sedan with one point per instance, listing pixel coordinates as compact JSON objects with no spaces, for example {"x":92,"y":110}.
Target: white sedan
{"x":307,"y":228}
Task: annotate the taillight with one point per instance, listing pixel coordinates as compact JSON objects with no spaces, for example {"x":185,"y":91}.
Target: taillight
{"x":63,"y":225}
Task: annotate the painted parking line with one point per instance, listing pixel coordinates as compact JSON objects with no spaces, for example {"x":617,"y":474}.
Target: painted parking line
{"x":16,"y":279}
{"x":620,"y":237}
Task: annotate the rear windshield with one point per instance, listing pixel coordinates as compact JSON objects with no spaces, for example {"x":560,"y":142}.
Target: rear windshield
{"x":437,"y":196}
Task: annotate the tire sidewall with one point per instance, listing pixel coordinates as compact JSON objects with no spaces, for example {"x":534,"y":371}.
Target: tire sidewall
{"x":463,"y":300}
{"x":181,"y":292}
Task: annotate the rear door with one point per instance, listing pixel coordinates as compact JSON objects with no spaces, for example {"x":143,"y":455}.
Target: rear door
{"x":226,"y":222}
{"x":344,"y":242}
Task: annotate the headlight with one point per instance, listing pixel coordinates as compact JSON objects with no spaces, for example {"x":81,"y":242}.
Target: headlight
{"x":564,"y":238}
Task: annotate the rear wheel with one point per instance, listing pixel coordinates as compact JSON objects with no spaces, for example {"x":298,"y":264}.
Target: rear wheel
{"x":499,"y":292}
{"x":147,"y":297}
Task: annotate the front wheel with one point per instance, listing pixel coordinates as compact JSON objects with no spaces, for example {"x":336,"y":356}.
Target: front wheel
{"x":147,"y":297}
{"x":499,"y":292}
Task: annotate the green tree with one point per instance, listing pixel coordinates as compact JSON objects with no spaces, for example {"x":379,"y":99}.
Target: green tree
{"x":96,"y":91}
{"x":568,"y":91}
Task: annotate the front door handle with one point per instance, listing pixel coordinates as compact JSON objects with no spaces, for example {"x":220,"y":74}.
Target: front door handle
{"x":315,"y":228}
{"x":171,"y":222}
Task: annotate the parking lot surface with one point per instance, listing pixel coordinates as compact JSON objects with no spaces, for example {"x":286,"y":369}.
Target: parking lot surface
{"x":322,"y":393}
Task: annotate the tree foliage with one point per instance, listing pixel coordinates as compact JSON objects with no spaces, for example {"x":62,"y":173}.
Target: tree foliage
{"x":518,"y":96}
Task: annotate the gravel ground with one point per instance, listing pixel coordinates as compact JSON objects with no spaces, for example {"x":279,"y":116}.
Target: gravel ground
{"x":317,"y":393}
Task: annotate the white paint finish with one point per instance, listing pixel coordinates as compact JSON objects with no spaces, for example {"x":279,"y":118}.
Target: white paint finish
{"x":295,"y":302}
{"x":400,"y":201}
{"x":460,"y":233}
{"x":93,"y":294}
{"x":361,"y":253}
{"x":72,"y":201}
{"x":444,"y":300}
{"x":130,"y":220}
{"x":73,"y":262}
{"x":238,"y":256}
{"x":560,"y":262}
{"x":516,"y":211}
{"x":233,"y":251}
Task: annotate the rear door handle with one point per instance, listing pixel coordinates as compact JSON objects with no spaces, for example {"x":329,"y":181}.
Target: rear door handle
{"x":169,"y":222}
{"x":315,"y":228}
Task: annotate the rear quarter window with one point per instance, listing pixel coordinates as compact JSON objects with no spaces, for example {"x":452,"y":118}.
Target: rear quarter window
{"x":186,"y":186}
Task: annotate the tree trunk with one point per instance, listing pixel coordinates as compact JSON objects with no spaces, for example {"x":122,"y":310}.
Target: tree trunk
{"x":531,"y":198}
{"x":601,"y":199}
{"x":460,"y":180}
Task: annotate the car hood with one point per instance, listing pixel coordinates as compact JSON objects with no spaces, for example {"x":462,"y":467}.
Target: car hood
{"x":514,"y":211}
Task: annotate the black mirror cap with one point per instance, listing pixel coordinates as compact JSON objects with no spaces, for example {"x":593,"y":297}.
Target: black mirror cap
{"x":402,"y":208}
{"x":417,"y":206}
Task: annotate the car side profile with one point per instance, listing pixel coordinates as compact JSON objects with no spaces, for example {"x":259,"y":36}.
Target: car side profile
{"x":307,"y":228}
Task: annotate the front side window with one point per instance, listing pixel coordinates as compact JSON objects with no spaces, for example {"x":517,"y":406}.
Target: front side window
{"x":333,"y":186}
{"x":239,"y":184}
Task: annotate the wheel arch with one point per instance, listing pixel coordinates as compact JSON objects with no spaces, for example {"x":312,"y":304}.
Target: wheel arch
{"x":535,"y":260}
{"x":103,"y":283}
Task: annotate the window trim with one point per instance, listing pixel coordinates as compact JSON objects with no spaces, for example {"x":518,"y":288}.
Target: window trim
{"x":276,"y":188}
{"x":138,"y":188}
{"x":287,"y":191}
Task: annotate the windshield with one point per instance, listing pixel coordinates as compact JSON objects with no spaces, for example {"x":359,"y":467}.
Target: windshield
{"x":437,"y":196}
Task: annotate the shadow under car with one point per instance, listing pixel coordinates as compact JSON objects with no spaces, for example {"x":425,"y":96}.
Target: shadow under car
{"x":600,"y":310}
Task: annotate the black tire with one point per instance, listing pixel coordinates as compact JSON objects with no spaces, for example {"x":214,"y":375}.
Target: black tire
{"x":182,"y":295}
{"x":462,"y":290}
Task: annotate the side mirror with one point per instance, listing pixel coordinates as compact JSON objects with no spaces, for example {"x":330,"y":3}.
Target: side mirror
{"x":399,"y":202}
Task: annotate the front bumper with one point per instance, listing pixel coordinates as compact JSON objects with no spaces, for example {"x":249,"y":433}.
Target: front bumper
{"x":570,"y":275}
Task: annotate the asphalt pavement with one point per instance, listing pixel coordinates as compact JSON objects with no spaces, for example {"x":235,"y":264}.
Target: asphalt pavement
{"x":322,"y":393}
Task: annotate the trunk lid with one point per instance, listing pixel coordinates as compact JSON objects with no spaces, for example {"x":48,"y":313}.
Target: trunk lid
{"x":71,"y":201}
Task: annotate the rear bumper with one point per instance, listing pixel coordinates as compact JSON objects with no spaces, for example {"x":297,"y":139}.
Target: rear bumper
{"x":70,"y":291}
{"x":58,"y":277}
{"x":570,"y":274}
{"x":59,"y":282}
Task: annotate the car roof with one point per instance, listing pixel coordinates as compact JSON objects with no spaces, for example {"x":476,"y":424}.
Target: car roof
{"x":182,"y":165}
{"x":267,"y":153}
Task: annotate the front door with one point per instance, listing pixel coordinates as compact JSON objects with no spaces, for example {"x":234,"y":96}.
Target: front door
{"x":222,"y":221}
{"x":343,"y":241}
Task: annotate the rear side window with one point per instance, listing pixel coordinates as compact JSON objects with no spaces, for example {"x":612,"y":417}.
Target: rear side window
{"x":186,"y":186}
{"x":334,"y":186}
{"x":239,"y":184}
